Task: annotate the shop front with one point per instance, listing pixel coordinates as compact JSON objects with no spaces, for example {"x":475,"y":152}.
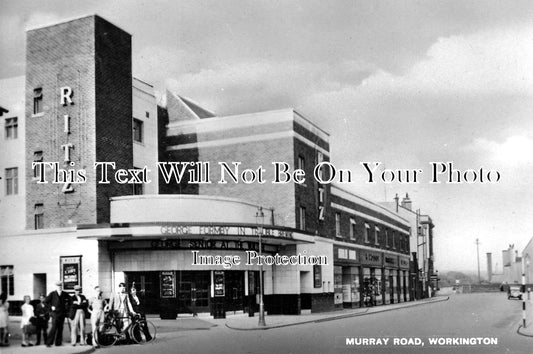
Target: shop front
{"x":372,"y":281}
{"x":390,"y":263}
{"x":347,"y":277}
{"x":403,"y":278}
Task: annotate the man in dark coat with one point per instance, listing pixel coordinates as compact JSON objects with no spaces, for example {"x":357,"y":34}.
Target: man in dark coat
{"x":59,"y":303}
{"x":42,"y":312}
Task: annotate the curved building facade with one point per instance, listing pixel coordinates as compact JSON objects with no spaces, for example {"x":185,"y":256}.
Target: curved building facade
{"x":174,"y":200}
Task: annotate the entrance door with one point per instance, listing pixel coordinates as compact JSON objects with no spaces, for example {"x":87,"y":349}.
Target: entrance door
{"x":39,"y":284}
{"x":185,"y":304}
{"x":234,"y":291}
{"x":193,"y":292}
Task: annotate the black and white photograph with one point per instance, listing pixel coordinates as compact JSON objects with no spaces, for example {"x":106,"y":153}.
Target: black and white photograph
{"x":255,"y":176}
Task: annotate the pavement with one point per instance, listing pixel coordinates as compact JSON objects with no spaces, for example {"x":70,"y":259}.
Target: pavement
{"x":188,"y":323}
{"x":244,"y":322}
{"x":238,"y":322}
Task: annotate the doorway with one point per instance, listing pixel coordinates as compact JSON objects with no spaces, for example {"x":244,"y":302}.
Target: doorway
{"x":234,"y":291}
{"x":39,"y":284}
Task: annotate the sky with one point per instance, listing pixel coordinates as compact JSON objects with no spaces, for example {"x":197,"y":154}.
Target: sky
{"x":405,"y":83}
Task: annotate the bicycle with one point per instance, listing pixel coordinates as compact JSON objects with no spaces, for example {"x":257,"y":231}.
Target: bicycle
{"x":139,"y":330}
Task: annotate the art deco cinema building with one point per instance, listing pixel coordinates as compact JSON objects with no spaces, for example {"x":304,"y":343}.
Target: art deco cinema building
{"x":83,"y":107}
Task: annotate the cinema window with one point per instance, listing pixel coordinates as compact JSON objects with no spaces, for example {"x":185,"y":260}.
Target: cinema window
{"x":137,"y":130}
{"x":38,"y":101}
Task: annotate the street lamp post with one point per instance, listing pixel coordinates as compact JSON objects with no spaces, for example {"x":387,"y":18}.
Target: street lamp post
{"x":260,"y":218}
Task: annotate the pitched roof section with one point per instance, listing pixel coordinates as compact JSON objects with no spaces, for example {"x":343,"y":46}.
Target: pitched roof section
{"x":199,"y":111}
{"x":183,"y":109}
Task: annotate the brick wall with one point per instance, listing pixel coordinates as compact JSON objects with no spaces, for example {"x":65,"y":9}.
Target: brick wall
{"x":280,"y":197}
{"x":93,"y":58}
{"x":113,"y":109}
{"x":56,"y":56}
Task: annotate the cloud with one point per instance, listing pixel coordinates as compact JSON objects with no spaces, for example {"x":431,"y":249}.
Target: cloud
{"x":261,"y":85}
{"x":42,"y":19}
{"x":515,"y":150}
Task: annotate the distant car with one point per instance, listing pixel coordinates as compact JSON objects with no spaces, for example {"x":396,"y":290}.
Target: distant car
{"x":514,"y":292}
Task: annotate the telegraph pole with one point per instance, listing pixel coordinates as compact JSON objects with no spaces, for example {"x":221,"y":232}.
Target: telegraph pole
{"x":478,"y":271}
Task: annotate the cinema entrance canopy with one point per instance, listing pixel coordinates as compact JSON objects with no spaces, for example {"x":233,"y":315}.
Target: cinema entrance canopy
{"x":150,"y":242}
{"x":225,"y":222}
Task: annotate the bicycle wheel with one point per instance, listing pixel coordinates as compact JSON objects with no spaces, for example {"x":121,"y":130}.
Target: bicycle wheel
{"x":143,"y":332}
{"x":106,"y":336}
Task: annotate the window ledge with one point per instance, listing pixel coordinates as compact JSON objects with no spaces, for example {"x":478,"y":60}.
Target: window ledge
{"x":34,"y":115}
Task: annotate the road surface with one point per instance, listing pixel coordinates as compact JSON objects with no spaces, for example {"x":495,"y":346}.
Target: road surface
{"x":487,"y":322}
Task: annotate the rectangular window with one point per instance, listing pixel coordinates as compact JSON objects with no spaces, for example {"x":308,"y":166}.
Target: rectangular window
{"x":38,"y":101}
{"x":39,"y":216}
{"x":366,"y":230}
{"x":376,"y":235}
{"x":338,"y":224}
{"x":7,"y":280}
{"x":343,"y":253}
{"x":393,"y":239}
{"x":387,"y":238}
{"x":37,"y":157}
{"x":301,"y":162}
{"x":147,"y":114}
{"x":138,"y":188}
{"x":137,"y":130}
{"x":352,"y":229}
{"x":302,"y":218}
{"x":12,"y":184}
{"x":11,"y":128}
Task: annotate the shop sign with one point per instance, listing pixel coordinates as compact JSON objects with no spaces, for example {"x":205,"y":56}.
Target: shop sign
{"x":204,"y":244}
{"x":70,"y":269}
{"x":222,"y":230}
{"x":219,"y":283}
{"x":390,"y":261}
{"x":371,"y":258}
{"x":404,"y":262}
{"x":168,"y":284}
{"x":345,"y":254}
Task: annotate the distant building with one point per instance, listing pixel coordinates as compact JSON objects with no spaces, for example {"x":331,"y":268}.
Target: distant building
{"x":512,"y":266}
{"x":527,"y":256}
{"x":422,"y":272}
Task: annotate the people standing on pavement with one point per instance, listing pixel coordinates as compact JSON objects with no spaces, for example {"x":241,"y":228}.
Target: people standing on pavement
{"x":4,"y":320}
{"x":96,"y":309}
{"x":42,"y":312}
{"x":59,"y":302}
{"x":25,"y":325}
{"x":121,"y":305}
{"x":138,"y":308}
{"x":79,"y":305}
